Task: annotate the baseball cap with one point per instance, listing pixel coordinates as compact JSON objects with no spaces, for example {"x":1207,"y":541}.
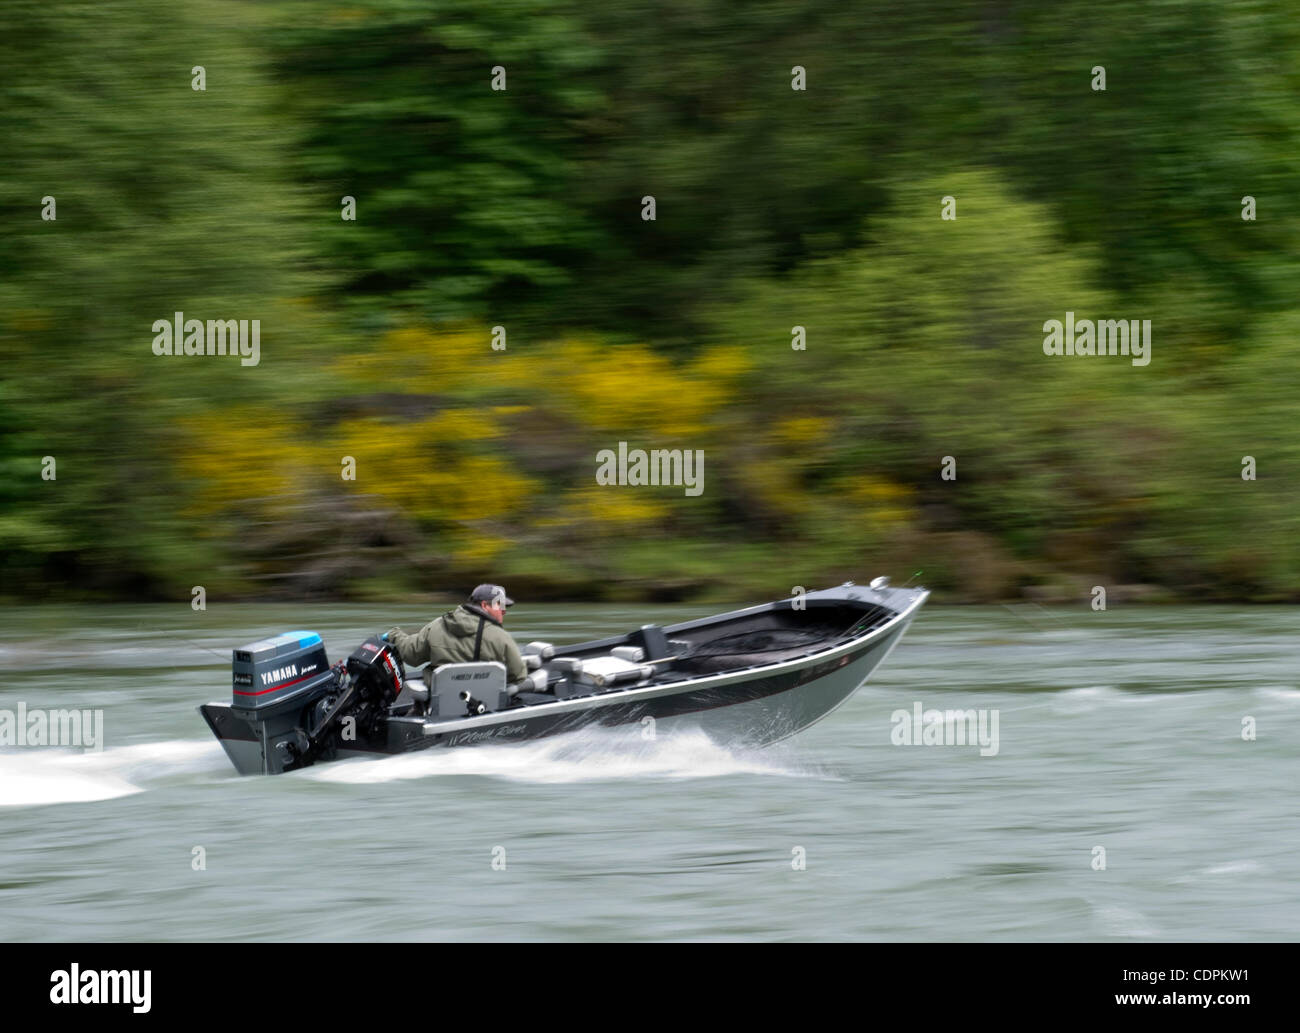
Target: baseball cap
{"x":494,"y":594}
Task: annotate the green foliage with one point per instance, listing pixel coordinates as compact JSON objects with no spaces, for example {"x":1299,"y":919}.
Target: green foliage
{"x":167,"y":199}
{"x":775,"y":207}
{"x":929,"y":344}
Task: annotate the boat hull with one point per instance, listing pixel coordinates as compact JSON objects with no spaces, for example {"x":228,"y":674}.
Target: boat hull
{"x":754,"y":706}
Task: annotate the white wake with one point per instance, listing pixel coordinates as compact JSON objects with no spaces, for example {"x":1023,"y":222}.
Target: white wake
{"x":593,"y":754}
{"x":36,"y":776}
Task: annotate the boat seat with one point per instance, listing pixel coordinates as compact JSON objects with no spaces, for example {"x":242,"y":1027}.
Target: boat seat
{"x":484,"y":681}
{"x":652,"y":639}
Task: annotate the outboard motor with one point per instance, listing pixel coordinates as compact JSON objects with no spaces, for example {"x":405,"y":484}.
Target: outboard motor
{"x":290,"y":707}
{"x":369,"y":682}
{"x":275,"y":682}
{"x":269,"y":675}
{"x":377,"y":675}
{"x":377,"y":662}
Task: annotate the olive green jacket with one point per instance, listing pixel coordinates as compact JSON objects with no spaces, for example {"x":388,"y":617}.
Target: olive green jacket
{"x":450,"y":640}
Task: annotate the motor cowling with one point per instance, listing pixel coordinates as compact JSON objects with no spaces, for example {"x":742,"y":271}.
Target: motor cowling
{"x":276,"y":674}
{"x":300,"y":709}
{"x":378,"y":669}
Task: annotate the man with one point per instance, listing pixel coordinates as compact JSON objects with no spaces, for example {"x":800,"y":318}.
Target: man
{"x":473,"y":631}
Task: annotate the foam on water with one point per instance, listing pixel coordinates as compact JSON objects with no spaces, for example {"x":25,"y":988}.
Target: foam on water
{"x":1094,"y":692}
{"x":588,"y":755}
{"x":1088,"y":697}
{"x":1223,"y":872}
{"x":1235,"y":868}
{"x":1124,"y":922}
{"x":1084,"y":698}
{"x":39,"y":776}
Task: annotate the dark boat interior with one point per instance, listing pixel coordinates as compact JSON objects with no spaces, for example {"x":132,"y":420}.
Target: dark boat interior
{"x":772,"y":635}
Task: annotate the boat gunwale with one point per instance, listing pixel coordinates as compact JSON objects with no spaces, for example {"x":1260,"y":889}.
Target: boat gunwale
{"x":720,"y":679}
{"x":611,"y":697}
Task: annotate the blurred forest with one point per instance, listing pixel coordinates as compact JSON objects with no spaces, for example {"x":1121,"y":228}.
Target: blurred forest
{"x":522,"y":208}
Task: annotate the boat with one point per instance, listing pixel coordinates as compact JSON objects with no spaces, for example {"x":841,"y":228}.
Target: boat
{"x":749,"y":677}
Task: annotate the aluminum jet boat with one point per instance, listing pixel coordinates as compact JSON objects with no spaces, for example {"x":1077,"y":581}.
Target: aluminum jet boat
{"x":749,"y":677}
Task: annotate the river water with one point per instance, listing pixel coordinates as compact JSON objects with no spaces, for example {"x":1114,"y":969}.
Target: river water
{"x":1122,"y":803}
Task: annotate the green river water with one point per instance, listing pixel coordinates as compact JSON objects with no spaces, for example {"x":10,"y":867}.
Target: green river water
{"x":1119,"y":730}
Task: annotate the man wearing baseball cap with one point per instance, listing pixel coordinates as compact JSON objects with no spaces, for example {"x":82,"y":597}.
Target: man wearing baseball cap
{"x":473,"y":631}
